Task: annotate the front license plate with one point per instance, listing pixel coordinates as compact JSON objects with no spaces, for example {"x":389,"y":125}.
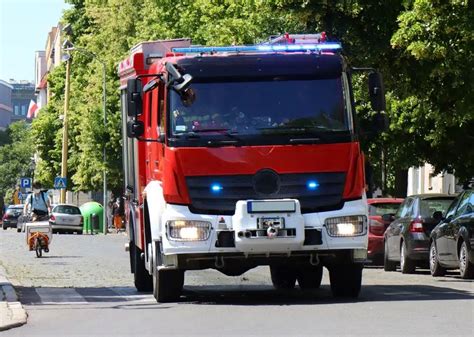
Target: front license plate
{"x":276,"y":206}
{"x":265,"y":222}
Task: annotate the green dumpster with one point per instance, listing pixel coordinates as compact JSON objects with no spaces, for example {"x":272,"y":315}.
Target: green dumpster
{"x":93,"y":214}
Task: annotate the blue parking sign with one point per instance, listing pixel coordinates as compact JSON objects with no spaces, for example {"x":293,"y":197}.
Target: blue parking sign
{"x":25,"y":182}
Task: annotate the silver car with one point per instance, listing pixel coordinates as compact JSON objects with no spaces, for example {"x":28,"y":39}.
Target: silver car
{"x":66,"y":218}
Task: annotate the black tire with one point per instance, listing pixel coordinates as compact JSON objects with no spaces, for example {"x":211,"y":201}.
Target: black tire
{"x":79,"y":232}
{"x":346,"y":279}
{"x":435,"y":268}
{"x":466,"y":268}
{"x":387,"y":264}
{"x":142,"y":279}
{"x":310,"y":277}
{"x":4,"y":227}
{"x":39,"y":251}
{"x":168,"y":285}
{"x":407,"y":265}
{"x":18,"y":230}
{"x":283,"y":277}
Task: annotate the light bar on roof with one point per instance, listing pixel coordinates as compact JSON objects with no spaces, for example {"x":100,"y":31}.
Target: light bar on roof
{"x":328,"y":46}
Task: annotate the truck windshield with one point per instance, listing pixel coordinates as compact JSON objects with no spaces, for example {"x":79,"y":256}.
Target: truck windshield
{"x":261,"y":108}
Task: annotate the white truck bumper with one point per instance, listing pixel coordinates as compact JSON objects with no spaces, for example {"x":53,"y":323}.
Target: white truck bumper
{"x":248,"y":239}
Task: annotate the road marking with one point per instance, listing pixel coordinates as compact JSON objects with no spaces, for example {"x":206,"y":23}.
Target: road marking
{"x":60,"y":296}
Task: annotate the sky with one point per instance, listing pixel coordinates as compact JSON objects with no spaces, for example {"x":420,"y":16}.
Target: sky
{"x":24,"y":28}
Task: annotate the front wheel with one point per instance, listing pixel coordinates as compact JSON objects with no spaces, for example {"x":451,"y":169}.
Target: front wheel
{"x":435,"y":268}
{"x":167,"y":285}
{"x":283,"y":277}
{"x":466,"y":268}
{"x":346,"y":279}
{"x":39,"y":251}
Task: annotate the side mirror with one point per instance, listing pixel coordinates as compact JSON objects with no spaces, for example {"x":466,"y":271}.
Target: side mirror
{"x":380,"y":122}
{"x":388,"y":217}
{"x":179,"y":82}
{"x":134,"y":97}
{"x":376,"y":92}
{"x":135,"y":129}
{"x":438,"y":216}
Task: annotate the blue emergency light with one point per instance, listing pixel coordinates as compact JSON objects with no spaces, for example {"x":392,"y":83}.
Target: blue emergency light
{"x":320,"y":47}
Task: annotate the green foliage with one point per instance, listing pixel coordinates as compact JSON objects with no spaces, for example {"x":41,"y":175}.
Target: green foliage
{"x":16,"y":156}
{"x":423,"y":48}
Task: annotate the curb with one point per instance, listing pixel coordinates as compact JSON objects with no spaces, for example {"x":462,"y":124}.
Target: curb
{"x":12,"y":313}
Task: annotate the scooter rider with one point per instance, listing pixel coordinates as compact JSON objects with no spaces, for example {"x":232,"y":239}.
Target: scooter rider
{"x":37,"y":203}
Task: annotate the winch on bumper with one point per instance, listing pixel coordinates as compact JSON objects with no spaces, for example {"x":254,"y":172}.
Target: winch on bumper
{"x":263,"y":228}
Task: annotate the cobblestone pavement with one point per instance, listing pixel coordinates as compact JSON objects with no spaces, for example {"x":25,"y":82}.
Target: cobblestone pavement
{"x":85,"y":280}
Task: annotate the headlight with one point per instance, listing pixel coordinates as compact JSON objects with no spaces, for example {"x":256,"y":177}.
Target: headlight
{"x":188,"y":230}
{"x":346,"y":225}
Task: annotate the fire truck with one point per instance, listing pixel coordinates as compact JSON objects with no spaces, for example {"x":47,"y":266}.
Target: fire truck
{"x":242,"y":156}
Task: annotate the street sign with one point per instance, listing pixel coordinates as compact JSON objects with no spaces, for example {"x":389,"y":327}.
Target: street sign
{"x":20,"y":196}
{"x":60,"y":183}
{"x":25,"y":182}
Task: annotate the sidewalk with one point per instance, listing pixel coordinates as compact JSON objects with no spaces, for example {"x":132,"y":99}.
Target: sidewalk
{"x":12,"y":313}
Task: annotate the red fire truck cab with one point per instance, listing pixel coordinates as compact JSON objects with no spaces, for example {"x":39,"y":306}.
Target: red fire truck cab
{"x":241,"y":156}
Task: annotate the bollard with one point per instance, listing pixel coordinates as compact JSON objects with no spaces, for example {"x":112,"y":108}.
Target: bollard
{"x":95,"y":226}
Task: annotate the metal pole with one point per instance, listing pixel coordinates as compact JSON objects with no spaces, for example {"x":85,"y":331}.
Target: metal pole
{"x":64,"y":153}
{"x":104,"y":149}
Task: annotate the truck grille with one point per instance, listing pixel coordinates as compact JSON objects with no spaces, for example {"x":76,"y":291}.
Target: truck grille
{"x":326,"y":196}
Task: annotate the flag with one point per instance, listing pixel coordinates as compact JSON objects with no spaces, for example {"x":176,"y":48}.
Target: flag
{"x":32,"y":110}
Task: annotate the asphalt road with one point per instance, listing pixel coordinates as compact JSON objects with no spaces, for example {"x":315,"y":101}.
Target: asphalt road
{"x":83,"y":288}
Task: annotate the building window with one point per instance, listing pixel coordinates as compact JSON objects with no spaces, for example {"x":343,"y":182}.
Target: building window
{"x":23,"y":110}
{"x":17,"y":110}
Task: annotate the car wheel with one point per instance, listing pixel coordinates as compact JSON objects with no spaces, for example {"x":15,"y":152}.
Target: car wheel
{"x":407,"y":265}
{"x":346,"y":280}
{"x":387,"y":264}
{"x":4,"y":227}
{"x":435,"y":268}
{"x":466,"y":268}
{"x":283,"y":277}
{"x":310,"y":277}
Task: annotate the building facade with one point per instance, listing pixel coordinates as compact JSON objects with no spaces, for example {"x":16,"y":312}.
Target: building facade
{"x":422,"y":180}
{"x":40,"y":79}
{"x":5,"y":104}
{"x":23,"y":93}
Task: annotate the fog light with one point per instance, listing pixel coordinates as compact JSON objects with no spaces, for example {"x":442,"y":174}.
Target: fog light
{"x":188,"y":230}
{"x":353,"y":225}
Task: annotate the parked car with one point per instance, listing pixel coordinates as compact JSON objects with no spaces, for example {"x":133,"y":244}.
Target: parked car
{"x":407,"y":238}
{"x":66,"y":218}
{"x":10,"y":218}
{"x":377,"y":226}
{"x":452,"y":239}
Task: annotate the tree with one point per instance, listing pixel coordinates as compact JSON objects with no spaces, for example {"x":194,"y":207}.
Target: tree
{"x":16,"y":156}
{"x":436,"y":44}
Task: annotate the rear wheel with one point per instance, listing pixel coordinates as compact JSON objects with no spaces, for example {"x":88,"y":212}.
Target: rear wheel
{"x":435,"y":268}
{"x":387,"y":264}
{"x":283,"y":277}
{"x":407,"y":265}
{"x":4,"y":227}
{"x":310,"y":277}
{"x":466,"y":268}
{"x":142,"y":279}
{"x":346,"y":279}
{"x":38,"y":249}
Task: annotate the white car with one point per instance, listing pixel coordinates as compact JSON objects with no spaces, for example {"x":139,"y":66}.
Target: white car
{"x":66,"y":218}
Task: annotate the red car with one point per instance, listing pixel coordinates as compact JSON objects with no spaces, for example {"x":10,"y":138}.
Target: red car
{"x":377,"y":208}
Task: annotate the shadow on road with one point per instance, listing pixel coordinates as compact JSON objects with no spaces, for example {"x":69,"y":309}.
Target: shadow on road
{"x":238,"y":295}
